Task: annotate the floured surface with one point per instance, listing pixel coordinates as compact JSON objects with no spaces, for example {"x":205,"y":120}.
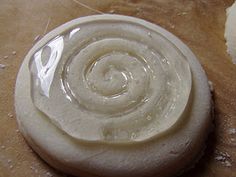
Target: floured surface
{"x":207,"y":42}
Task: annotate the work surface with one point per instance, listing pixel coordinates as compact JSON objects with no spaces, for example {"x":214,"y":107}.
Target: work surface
{"x":198,"y":23}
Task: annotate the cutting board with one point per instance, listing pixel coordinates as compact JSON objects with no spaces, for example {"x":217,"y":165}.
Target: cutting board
{"x":198,"y":23}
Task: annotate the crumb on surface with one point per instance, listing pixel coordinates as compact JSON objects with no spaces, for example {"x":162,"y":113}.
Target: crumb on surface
{"x":2,"y":66}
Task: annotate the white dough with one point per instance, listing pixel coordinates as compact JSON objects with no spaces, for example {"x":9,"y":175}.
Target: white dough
{"x":111,"y":95}
{"x":230,"y":32}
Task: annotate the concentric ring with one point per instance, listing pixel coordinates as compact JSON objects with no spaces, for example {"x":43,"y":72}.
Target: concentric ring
{"x":111,"y":81}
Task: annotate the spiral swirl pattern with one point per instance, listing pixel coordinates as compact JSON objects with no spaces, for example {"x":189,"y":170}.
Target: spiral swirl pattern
{"x":111,"y":81}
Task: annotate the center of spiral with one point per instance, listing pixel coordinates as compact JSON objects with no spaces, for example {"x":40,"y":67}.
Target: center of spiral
{"x":107,"y":76}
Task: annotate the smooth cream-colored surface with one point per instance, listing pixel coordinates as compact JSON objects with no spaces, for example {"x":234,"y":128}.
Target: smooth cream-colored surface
{"x":230,"y":32}
{"x":110,"y":79}
{"x":177,"y":147}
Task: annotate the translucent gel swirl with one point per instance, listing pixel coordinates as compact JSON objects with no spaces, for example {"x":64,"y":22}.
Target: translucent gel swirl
{"x":110,"y":81}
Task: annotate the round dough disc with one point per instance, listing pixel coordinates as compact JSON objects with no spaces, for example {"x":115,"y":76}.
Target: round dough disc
{"x":163,"y":156}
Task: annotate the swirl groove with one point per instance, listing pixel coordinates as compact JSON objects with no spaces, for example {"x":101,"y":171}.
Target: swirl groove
{"x":110,"y":81}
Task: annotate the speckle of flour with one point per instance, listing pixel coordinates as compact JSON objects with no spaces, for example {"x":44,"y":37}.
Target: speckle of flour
{"x":232,"y":131}
{"x":227,"y":163}
{"x":182,"y":13}
{"x":172,"y":26}
{"x":112,"y":11}
{"x":2,"y":66}
{"x":5,"y":57}
{"x":13,"y":53}
{"x":219,"y":158}
{"x":34,"y":168}
{"x":10,"y":115}
{"x":211,"y":86}
{"x":223,"y":158}
{"x":49,"y":174}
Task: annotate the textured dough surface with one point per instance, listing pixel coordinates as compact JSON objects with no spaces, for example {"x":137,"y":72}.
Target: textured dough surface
{"x":65,"y":153}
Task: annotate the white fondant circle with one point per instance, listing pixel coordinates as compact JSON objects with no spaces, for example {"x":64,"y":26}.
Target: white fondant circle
{"x":173,"y":150}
